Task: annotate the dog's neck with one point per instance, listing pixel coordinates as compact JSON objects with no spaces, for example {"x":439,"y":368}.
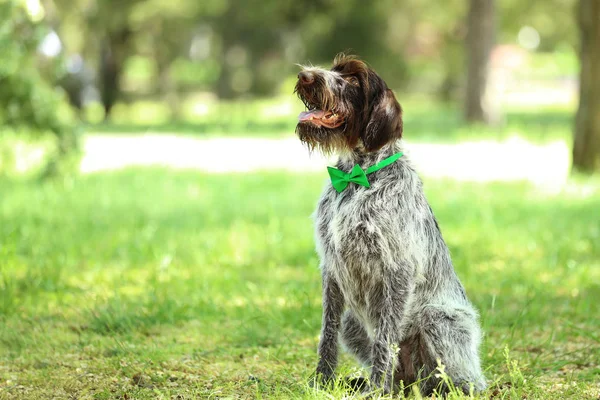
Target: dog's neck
{"x":347,"y":160}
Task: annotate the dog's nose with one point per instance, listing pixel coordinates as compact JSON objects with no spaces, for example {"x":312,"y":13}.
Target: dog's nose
{"x":306,"y":77}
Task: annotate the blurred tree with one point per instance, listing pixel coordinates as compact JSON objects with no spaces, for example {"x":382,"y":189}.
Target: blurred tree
{"x":28,"y":103}
{"x":93,"y":29}
{"x":251,"y":43}
{"x":259,"y":41}
{"x":371,"y":32}
{"x":163,"y":34}
{"x":586,"y":147}
{"x":113,"y":53}
{"x":542,"y":15}
{"x":76,"y":79}
{"x":114,"y":34}
{"x":481,"y":31}
{"x":433,"y":47}
{"x":157,"y":31}
{"x":167,"y":39}
{"x":247,"y":47}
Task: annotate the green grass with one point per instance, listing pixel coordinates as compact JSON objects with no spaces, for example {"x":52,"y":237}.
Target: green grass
{"x":149,"y":284}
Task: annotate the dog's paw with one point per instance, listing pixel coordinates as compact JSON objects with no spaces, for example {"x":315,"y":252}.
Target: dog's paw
{"x":319,"y":380}
{"x":357,"y":384}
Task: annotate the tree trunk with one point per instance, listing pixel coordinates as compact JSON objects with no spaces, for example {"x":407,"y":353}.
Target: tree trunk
{"x":230,"y":36}
{"x":586,"y":146}
{"x":166,"y":87}
{"x":481,"y":25}
{"x":224,"y":86}
{"x":109,"y":79}
{"x":112,"y":57}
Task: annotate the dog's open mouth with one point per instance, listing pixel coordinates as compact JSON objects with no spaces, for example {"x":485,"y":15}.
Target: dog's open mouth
{"x":328,"y":119}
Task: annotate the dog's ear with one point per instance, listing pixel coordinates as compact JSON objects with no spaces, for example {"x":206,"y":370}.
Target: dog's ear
{"x":385,"y":122}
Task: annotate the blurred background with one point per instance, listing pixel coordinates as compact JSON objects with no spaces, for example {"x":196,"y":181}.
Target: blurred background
{"x":155,"y":239}
{"x":227,"y":67}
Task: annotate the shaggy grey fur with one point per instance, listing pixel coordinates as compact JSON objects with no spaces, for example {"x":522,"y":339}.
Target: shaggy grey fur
{"x":390,"y":293}
{"x":388,"y":282}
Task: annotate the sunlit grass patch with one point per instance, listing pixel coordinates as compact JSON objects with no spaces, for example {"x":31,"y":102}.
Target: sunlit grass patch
{"x":150,"y":283}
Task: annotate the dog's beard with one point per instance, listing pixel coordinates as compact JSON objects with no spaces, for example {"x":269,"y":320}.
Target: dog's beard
{"x":326,"y":141}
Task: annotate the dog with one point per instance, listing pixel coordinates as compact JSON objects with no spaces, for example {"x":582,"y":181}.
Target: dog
{"x":390,"y":293}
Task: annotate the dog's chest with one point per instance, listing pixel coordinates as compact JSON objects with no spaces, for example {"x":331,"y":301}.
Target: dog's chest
{"x":351,"y":239}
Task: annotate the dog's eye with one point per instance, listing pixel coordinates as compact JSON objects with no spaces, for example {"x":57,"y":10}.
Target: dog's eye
{"x":351,"y":79}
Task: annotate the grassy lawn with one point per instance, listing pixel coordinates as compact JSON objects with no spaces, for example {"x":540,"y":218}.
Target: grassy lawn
{"x":149,"y":283}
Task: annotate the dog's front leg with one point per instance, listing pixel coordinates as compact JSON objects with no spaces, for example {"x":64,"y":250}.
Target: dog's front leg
{"x":389,"y":311}
{"x":333,"y":306}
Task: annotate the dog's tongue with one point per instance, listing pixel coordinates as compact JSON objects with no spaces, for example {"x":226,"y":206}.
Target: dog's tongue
{"x":321,"y":118}
{"x":311,"y":115}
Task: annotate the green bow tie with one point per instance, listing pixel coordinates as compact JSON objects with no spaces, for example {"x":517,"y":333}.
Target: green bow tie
{"x":341,"y":179}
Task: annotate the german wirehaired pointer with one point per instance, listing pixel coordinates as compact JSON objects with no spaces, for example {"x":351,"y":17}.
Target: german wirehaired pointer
{"x":390,"y":293}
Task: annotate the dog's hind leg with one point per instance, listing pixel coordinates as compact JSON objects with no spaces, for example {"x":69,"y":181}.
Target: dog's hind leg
{"x":451,"y":336}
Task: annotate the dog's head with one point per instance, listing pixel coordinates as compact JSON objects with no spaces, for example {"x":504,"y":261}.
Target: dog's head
{"x":348,"y":108}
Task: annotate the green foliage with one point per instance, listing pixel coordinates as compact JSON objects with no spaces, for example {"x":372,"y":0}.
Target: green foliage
{"x":29,"y":103}
{"x":210,"y":287}
{"x":241,"y":47}
{"x":554,"y":20}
